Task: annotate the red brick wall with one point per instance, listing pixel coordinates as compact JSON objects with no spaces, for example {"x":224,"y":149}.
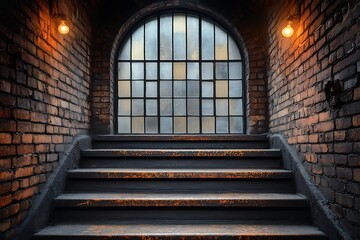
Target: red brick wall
{"x":325,"y":47}
{"x":44,"y":88}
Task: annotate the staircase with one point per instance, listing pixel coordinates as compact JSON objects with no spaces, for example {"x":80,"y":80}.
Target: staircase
{"x":180,"y":187}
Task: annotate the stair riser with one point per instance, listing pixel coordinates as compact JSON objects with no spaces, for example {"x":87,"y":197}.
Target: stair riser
{"x":183,"y":185}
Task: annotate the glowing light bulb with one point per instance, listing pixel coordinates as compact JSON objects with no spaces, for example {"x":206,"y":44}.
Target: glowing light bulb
{"x":288,"y":31}
{"x":63,"y":28}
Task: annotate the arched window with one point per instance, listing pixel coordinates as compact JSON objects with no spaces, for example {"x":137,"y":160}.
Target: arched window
{"x":179,"y":73}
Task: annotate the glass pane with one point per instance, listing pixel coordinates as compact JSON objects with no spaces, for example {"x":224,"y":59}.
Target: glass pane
{"x":179,"y":70}
{"x":208,"y":125}
{"x":124,"y":70}
{"x":192,"y":38}
{"x":193,"y":71}
{"x":180,"y":124}
{"x":235,"y":88}
{"x":193,"y":107}
{"x":165,"y":89}
{"x":137,"y":107}
{"x":236,"y":125}
{"x":137,"y":71}
{"x":179,"y":107}
{"x":166,"y":125}
{"x":222,"y":125}
{"x":207,"y":89}
{"x":166,"y":37}
{"x":207,"y":107}
{"x":236,"y":107}
{"x":151,"y":40}
{"x":151,"y":71}
{"x":180,"y":89}
{"x":221,"y":71}
{"x":221,"y":107}
{"x":234,"y":53}
{"x":125,"y":51}
{"x":165,"y":107}
{"x":151,"y":107}
{"x":151,"y":124}
{"x":124,"y":107}
{"x":207,"y":71}
{"x":179,"y":37}
{"x":138,"y":125}
{"x":166,"y":70}
{"x":137,"y":45}
{"x":235,"y":70}
{"x":221,"y":88}
{"x":123,"y":125}
{"x":207,"y":40}
{"x":124,"y":88}
{"x":193,"y":125}
{"x":151,"y":89}
{"x":137,"y":88}
{"x":220,"y":44}
{"x":193,"y":89}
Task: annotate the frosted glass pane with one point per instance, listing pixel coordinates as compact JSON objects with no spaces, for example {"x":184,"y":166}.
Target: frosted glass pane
{"x":193,"y":125}
{"x":207,"y":40}
{"x":207,"y":107}
{"x":151,"y":89}
{"x":236,"y":107}
{"x":220,"y":44}
{"x":193,"y":107}
{"x":179,"y":107}
{"x":221,"y":71}
{"x":193,"y":89}
{"x":123,"y":125}
{"x":165,"y":107}
{"x":180,"y":89}
{"x":222,"y":125}
{"x":221,"y":107}
{"x":208,"y":124}
{"x":137,"y":88}
{"x":166,"y":37}
{"x":124,"y":107}
{"x":151,"y":124}
{"x":166,"y":125}
{"x":165,"y":89}
{"x":151,"y":107}
{"x":124,"y":70}
{"x":138,"y":125}
{"x":151,"y":40}
{"x":180,"y":124}
{"x":192,"y":38}
{"x":179,"y":70}
{"x":207,"y":89}
{"x":137,"y":45}
{"x":179,"y":37}
{"x":137,"y":71}
{"x":234,"y":53}
{"x":166,"y":70}
{"x":124,"y":88}
{"x":221,"y":88}
{"x":235,"y":70}
{"x":125,"y":51}
{"x":236,"y":125}
{"x":137,"y":107}
{"x":193,"y":71}
{"x":235,"y":88}
{"x":151,"y":71}
{"x":207,"y":71}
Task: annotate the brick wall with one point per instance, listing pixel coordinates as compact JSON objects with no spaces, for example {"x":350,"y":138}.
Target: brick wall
{"x":44,"y":88}
{"x":324,"y":48}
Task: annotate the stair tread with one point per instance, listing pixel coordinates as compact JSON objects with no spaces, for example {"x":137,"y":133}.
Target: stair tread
{"x":178,"y":173}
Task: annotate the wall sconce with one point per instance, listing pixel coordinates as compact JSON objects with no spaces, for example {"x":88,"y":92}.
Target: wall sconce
{"x":288,"y":31}
{"x":63,"y":28}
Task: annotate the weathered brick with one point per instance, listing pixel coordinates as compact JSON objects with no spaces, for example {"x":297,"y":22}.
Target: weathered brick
{"x":5,"y":138}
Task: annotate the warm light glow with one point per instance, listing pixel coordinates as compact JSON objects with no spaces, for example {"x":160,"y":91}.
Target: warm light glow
{"x":63,"y":28}
{"x":288,"y":31}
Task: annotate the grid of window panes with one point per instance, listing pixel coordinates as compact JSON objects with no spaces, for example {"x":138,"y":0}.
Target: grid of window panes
{"x":180,"y":73}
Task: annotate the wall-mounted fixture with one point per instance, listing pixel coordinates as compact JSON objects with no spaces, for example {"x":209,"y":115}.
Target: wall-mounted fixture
{"x":59,"y":16}
{"x":63,"y":28}
{"x":288,"y":31}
